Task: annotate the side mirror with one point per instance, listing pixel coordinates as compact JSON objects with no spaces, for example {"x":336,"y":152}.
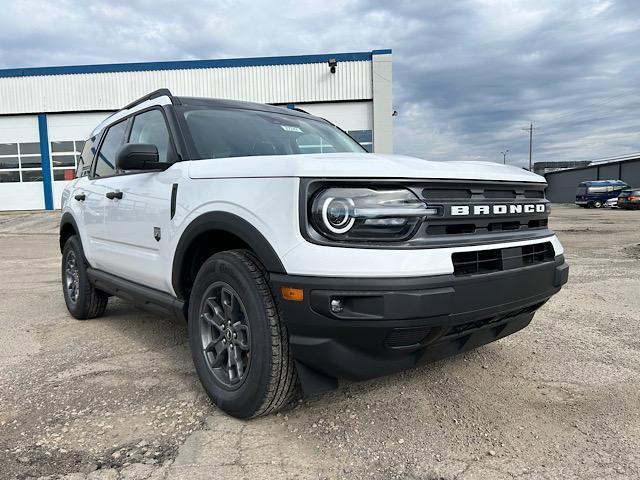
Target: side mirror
{"x":139,"y":156}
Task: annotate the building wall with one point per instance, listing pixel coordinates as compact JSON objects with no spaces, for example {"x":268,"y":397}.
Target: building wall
{"x":310,"y":82}
{"x":563,"y":184}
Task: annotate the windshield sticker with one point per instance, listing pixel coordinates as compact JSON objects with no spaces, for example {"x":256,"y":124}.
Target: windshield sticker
{"x":290,"y":128}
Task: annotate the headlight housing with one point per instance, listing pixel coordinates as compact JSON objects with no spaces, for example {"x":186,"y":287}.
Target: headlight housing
{"x":367,"y":214}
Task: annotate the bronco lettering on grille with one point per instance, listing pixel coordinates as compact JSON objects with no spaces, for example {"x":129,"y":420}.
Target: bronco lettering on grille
{"x":461,"y":210}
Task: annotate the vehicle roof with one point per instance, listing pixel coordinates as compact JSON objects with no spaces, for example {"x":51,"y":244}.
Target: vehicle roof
{"x":603,"y":182}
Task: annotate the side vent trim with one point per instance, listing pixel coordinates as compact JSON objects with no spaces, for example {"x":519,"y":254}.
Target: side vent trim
{"x":174,"y":196}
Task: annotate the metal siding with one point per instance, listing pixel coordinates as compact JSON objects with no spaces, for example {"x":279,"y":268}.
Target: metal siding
{"x":631,"y":173}
{"x":609,"y":172}
{"x":264,"y":84}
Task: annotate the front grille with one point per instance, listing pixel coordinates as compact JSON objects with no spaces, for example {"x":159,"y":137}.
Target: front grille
{"x":488,"y":261}
{"x":472,"y":195}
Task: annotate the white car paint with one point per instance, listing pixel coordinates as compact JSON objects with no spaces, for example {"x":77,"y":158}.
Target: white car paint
{"x":358,"y":165}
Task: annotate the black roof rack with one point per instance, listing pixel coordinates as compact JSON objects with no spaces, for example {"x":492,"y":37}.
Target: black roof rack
{"x":162,"y":92}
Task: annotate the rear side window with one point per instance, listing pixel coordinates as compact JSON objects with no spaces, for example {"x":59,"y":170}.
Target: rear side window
{"x":106,"y":160}
{"x":150,"y":127}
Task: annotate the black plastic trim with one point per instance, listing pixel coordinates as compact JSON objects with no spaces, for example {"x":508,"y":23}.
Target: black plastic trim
{"x":161,"y":92}
{"x":174,"y":197}
{"x":449,"y":315}
{"x":66,"y":219}
{"x":230,"y":223}
{"x":138,"y":294}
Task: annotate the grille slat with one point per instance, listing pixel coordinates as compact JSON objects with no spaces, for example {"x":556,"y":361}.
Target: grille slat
{"x":488,"y":261}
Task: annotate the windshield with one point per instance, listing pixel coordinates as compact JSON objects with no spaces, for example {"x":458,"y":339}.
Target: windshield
{"x":581,"y":191}
{"x":228,"y":132}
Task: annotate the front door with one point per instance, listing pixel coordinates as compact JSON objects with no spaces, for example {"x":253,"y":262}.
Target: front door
{"x":139,"y":211}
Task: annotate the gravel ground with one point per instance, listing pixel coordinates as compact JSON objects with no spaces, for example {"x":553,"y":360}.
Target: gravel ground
{"x":117,"y":397}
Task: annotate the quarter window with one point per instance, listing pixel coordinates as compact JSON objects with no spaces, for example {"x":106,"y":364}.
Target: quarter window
{"x":86,"y":157}
{"x":150,"y":127}
{"x":106,"y":160}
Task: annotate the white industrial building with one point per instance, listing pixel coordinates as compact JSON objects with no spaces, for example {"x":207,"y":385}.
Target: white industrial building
{"x":47,"y":112}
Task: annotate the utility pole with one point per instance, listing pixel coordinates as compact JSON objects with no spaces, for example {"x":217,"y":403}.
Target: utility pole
{"x":504,"y":156}
{"x":530,"y":129}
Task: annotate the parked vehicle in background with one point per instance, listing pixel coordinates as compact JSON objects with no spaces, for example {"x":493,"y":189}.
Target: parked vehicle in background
{"x":629,"y":199}
{"x":599,"y":193}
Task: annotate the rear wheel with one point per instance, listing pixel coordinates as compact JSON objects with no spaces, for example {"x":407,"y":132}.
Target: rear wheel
{"x":239,"y":344}
{"x":82,"y":299}
{"x":597,"y":204}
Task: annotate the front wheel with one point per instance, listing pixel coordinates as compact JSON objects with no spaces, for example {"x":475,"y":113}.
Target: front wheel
{"x":239,"y":344}
{"x":82,"y":299}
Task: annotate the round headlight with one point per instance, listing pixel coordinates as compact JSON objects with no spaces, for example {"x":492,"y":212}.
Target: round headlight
{"x":337,"y":214}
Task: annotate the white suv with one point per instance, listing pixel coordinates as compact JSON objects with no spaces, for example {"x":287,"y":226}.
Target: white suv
{"x":296,"y":257}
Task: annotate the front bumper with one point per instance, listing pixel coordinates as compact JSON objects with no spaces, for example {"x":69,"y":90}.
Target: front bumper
{"x":391,"y":324}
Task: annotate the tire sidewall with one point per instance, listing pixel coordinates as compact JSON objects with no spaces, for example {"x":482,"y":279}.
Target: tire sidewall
{"x":247,"y":398}
{"x":75,"y":308}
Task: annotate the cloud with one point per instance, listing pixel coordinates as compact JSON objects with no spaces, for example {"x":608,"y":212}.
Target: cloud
{"x":468,"y":75}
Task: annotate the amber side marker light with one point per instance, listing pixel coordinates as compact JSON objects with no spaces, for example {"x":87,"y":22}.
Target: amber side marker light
{"x":293,"y":294}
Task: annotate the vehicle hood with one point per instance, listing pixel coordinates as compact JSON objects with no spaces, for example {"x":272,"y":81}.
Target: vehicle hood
{"x":356,"y":165}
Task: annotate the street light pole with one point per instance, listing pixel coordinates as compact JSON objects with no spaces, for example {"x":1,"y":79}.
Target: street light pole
{"x":504,"y":156}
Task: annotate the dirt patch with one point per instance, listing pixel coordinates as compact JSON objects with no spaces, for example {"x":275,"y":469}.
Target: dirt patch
{"x":632,"y":251}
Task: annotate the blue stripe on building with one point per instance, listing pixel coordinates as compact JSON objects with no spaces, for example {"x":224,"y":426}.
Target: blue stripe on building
{"x":190,"y":64}
{"x":45,"y":158}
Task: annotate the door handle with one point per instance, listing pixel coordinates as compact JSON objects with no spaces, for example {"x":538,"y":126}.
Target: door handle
{"x":112,"y":195}
{"x":80,"y":197}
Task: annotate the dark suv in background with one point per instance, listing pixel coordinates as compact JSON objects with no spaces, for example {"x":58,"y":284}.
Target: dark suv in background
{"x":629,"y":199}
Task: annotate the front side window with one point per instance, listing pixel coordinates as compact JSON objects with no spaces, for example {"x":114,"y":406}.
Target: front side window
{"x":228,"y":132}
{"x":106,"y":159}
{"x":150,"y":127}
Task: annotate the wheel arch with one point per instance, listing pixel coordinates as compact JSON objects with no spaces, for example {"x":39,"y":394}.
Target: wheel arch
{"x":217,"y":231}
{"x":68,"y":228}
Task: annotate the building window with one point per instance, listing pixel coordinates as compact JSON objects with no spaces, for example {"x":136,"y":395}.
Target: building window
{"x":9,"y":176}
{"x":64,"y":159}
{"x":363,"y":137}
{"x":20,"y":162}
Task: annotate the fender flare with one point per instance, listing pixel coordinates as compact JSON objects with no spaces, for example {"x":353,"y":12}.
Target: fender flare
{"x":230,"y":223}
{"x":66,"y":219}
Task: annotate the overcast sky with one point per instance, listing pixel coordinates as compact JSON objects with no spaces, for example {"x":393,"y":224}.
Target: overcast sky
{"x":468,"y":75}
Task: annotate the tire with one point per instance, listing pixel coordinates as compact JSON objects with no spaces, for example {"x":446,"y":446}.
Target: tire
{"x":239,"y":343}
{"x":597,"y":204}
{"x":82,"y":299}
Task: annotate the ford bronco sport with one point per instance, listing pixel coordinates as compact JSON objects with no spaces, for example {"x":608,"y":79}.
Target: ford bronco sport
{"x":296,"y":257}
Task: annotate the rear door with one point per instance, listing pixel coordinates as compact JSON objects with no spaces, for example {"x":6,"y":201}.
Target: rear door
{"x":137,"y":225}
{"x":94,"y":203}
